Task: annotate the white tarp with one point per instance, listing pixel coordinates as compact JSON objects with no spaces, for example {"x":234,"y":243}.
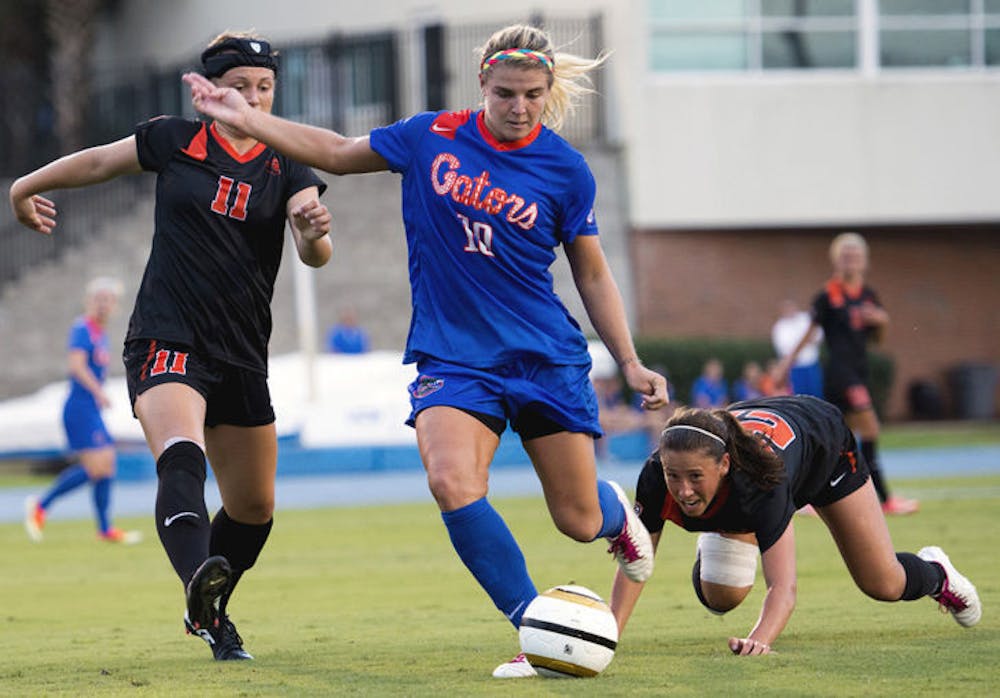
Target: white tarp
{"x":360,"y":400}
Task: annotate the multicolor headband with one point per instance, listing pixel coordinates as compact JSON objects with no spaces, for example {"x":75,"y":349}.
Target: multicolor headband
{"x":237,"y":51}
{"x":516,"y":53}
{"x":697,"y":429}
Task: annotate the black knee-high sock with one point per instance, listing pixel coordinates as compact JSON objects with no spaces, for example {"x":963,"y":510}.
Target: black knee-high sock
{"x":240,"y":543}
{"x":922,"y":578}
{"x":868,"y":451}
{"x":181,"y":515}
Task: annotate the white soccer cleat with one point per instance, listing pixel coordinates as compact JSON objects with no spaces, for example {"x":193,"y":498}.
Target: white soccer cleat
{"x":34,"y":518}
{"x":632,"y":548}
{"x":957,"y":596}
{"x":517,"y":668}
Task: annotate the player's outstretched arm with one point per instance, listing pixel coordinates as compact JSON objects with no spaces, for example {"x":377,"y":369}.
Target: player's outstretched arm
{"x":625,"y":593}
{"x":778,"y":563}
{"x":310,"y":145}
{"x":78,"y":169}
{"x":606,"y":311}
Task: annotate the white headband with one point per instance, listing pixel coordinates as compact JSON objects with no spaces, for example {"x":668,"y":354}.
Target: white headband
{"x":699,"y":430}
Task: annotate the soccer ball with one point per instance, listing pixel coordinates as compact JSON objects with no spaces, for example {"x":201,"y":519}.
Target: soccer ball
{"x":568,"y":631}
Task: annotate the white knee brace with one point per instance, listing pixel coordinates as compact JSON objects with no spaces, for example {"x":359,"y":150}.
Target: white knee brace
{"x":726,"y":560}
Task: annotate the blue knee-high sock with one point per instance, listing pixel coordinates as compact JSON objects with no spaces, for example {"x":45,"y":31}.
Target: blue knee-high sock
{"x":487,"y":547}
{"x":612,"y":510}
{"x":68,"y":480}
{"x":102,"y":503}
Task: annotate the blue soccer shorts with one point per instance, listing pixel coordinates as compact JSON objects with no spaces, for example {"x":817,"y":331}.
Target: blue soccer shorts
{"x":526,"y":393}
{"x":84,"y":427}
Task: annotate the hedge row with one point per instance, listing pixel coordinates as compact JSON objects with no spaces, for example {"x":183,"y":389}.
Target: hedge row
{"x":681,"y":360}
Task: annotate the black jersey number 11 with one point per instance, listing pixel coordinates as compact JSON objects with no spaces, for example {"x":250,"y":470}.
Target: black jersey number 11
{"x":221,"y":202}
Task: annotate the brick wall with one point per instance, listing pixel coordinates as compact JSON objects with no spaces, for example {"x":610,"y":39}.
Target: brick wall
{"x":941,"y":286}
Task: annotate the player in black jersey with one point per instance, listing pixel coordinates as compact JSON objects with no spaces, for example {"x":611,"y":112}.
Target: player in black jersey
{"x":739,"y":474}
{"x":196,"y":348}
{"x":851,"y":316}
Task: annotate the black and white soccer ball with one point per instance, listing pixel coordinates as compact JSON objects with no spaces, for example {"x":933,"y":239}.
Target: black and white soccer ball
{"x":568,"y":631}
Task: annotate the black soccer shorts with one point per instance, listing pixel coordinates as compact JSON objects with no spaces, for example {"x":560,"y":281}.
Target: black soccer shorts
{"x":233,"y":395}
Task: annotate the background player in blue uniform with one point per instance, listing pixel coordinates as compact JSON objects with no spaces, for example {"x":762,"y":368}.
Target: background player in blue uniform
{"x":851,"y":316}
{"x":740,"y":474}
{"x":196,"y":349}
{"x":488,"y":196}
{"x":88,"y":438}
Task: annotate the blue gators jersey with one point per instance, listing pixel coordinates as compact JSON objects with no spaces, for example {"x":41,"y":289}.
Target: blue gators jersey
{"x":483,"y":220}
{"x":90,"y":338}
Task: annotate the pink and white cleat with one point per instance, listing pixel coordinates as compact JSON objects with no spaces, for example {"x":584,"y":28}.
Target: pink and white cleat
{"x":957,"y":595}
{"x":517,"y":668}
{"x":632,"y":548}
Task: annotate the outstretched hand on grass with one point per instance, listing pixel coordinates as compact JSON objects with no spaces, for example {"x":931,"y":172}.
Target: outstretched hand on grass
{"x":746,"y":646}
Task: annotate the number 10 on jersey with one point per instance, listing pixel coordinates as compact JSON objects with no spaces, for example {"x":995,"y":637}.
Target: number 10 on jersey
{"x":478,"y":236}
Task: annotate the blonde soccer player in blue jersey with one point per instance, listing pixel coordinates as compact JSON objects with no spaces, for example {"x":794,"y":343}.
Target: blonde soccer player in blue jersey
{"x":488,"y":196}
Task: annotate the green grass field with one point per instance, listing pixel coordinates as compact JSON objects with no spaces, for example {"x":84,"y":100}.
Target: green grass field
{"x":372,"y":601}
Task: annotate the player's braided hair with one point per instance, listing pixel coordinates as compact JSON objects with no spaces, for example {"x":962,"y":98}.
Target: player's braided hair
{"x":748,"y":453}
{"x":568,"y":79}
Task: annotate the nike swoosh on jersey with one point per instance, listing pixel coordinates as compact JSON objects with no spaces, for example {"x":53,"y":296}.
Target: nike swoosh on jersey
{"x":438,"y":128}
{"x":170,"y":519}
{"x":835,"y":481}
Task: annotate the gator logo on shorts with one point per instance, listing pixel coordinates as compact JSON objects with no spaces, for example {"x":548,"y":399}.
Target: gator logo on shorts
{"x":426,"y":385}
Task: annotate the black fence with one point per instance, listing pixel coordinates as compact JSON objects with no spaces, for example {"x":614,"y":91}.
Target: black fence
{"x":350,"y":83}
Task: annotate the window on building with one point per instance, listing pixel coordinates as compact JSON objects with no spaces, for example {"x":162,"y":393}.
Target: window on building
{"x":920,"y":33}
{"x":760,"y":35}
{"x":752,"y":34}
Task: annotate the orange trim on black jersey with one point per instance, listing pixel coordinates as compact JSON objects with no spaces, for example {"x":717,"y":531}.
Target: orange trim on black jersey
{"x":198,"y":147}
{"x":837,"y":291}
{"x":233,"y":153}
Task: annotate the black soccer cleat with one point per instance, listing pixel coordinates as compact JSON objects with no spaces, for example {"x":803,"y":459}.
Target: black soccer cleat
{"x":229,"y":646}
{"x":209,"y":583}
{"x":226,"y":643}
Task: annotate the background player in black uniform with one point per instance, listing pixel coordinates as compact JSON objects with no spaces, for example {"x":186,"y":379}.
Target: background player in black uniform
{"x":196,"y":349}
{"x":851,"y":316}
{"x":740,"y":474}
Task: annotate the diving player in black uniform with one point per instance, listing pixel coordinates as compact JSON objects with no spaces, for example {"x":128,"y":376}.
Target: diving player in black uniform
{"x":196,"y":348}
{"x":739,"y":474}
